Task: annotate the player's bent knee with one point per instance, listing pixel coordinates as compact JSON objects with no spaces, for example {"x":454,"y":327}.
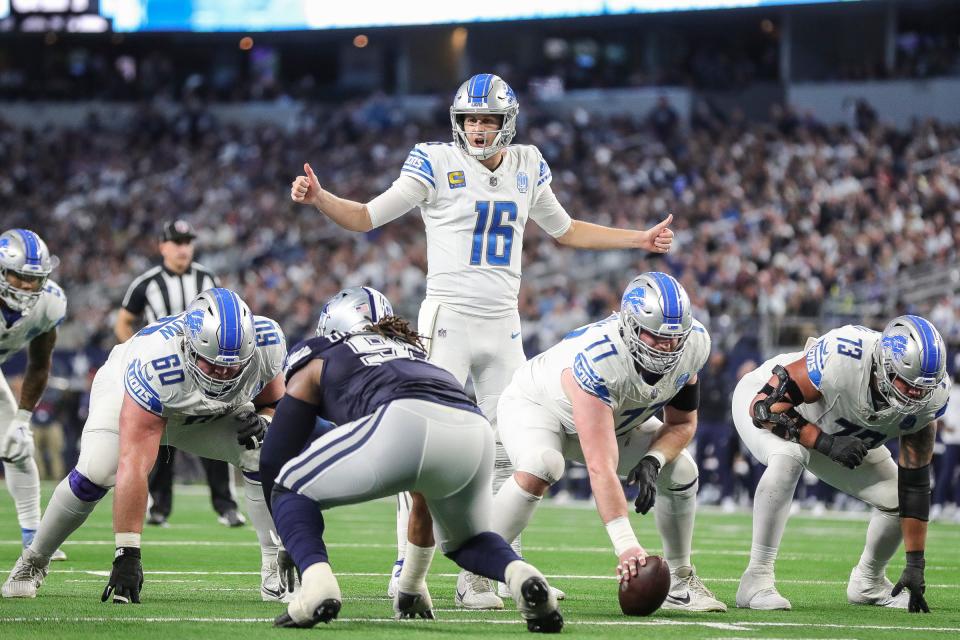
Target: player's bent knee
{"x":546,"y":464}
{"x":84,"y":488}
{"x":679,"y":475}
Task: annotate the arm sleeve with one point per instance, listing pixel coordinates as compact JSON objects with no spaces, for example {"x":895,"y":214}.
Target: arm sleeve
{"x":549,"y":214}
{"x":405,"y":193}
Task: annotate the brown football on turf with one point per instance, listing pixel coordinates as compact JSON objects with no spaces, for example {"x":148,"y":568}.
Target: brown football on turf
{"x":644,"y":594}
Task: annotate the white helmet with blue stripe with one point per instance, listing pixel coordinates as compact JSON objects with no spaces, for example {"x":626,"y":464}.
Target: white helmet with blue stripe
{"x":912,"y":350}
{"x":353,"y":310}
{"x":25,"y":255}
{"x":484,"y":94}
{"x":219,"y":340}
{"x":656,"y":304}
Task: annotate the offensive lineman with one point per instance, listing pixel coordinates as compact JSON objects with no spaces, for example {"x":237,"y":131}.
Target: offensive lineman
{"x":475,"y":195}
{"x":829,"y":410}
{"x":206,"y":381}
{"x":593,"y":398}
{"x":31,"y":309}
{"x":405,"y":425}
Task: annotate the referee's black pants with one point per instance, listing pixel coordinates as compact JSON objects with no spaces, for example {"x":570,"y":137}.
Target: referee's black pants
{"x":161,"y":483}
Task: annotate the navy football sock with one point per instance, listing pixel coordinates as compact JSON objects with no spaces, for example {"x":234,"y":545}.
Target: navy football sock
{"x":485,"y":554}
{"x":300,"y":526}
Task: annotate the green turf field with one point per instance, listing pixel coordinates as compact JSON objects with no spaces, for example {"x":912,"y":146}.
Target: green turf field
{"x":202,"y":580}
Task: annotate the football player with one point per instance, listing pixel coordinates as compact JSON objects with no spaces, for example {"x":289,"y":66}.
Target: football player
{"x":205,"y":381}
{"x":829,"y":410}
{"x":31,"y":308}
{"x":475,"y":194}
{"x":593,"y":398}
{"x":405,"y":425}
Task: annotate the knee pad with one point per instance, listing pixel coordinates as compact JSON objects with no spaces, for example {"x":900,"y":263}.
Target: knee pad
{"x":546,"y":464}
{"x":680,"y":475}
{"x":84,"y":488}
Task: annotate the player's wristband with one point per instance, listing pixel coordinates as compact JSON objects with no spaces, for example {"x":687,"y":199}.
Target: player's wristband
{"x":656,"y":455}
{"x":621,"y":535}
{"x":127,"y":540}
{"x":24,"y":416}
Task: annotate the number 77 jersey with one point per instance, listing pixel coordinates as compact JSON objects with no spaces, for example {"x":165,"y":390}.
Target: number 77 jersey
{"x":840,"y":366}
{"x":475,"y":220}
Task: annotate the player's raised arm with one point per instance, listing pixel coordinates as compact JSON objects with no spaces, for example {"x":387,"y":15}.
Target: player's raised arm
{"x":913,"y":491}
{"x":353,"y":216}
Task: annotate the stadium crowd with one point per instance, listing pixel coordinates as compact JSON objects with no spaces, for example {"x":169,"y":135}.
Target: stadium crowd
{"x":772,"y":218}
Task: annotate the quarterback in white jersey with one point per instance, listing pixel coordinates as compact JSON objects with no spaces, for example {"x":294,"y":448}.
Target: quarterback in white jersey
{"x":830,"y":409}
{"x":475,"y":195}
{"x":31,"y":309}
{"x":204,"y":381}
{"x":593,"y":398}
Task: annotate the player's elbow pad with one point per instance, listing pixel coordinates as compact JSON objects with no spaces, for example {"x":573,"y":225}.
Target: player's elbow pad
{"x":913,"y":491}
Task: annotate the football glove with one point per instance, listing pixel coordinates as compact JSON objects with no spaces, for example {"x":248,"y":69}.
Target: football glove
{"x":289,"y":572}
{"x":17,"y":445}
{"x":251,"y":429}
{"x":645,"y":475}
{"x":848,"y":451}
{"x":126,"y":578}
{"x":912,"y":580}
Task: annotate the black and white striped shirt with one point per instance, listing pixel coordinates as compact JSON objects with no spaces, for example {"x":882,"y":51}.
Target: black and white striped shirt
{"x":159,"y":292}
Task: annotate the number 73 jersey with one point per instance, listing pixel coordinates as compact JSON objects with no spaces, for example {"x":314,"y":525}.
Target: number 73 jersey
{"x":475,"y":219}
{"x":840,"y":366}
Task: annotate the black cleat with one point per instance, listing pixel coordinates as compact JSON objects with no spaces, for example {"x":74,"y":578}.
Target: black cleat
{"x":327,"y":611}
{"x":550,"y":623}
{"x":536,"y":593}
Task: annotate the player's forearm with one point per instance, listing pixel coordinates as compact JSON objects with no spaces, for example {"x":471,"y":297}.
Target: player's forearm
{"x":130,"y":496}
{"x":672,"y":438}
{"x":352,"y":216}
{"x":607,"y":493}
{"x":123,"y":329}
{"x":586,"y":235}
{"x":914,"y":534}
{"x":34,"y":383}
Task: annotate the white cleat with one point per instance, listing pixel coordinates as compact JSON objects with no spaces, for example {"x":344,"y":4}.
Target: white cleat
{"x":535,"y":601}
{"x":272,"y":588}
{"x":394,"y":584}
{"x":688,"y":593}
{"x":475,"y":592}
{"x":26,"y":576}
{"x":504,"y":592}
{"x":862,"y":590}
{"x":58,"y":556}
{"x":317,"y":600}
{"x":759,"y":592}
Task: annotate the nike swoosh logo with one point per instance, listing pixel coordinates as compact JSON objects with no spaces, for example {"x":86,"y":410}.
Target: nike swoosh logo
{"x":460,"y":594}
{"x":514,"y":336}
{"x":684,"y":600}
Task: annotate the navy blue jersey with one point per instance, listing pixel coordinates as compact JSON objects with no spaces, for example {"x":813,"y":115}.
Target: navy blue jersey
{"x":362,"y":371}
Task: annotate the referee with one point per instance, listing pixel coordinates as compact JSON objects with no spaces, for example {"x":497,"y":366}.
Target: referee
{"x":166,"y":290}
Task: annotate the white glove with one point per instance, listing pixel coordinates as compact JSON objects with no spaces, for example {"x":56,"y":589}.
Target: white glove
{"x":17,"y":445}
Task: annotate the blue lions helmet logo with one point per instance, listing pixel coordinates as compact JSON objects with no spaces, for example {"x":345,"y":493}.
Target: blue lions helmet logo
{"x":896,"y":345}
{"x":634,"y":298}
{"x":194,"y":322}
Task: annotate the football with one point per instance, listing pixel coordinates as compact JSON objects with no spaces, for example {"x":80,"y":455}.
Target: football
{"x":644,"y":594}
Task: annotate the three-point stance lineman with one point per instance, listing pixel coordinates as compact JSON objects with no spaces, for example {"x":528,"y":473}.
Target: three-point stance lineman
{"x":205,"y":380}
{"x":405,"y":425}
{"x":829,"y":410}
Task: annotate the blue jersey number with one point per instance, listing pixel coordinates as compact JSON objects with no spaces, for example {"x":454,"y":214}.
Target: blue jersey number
{"x":871,"y":438}
{"x":850,"y":348}
{"x":168,"y":369}
{"x":498,"y":255}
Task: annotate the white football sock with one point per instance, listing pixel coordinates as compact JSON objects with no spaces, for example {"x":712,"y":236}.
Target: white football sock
{"x":23,"y":482}
{"x":404,"y":502}
{"x":674,"y":513}
{"x":261,"y":519}
{"x":771,"y":508}
{"x":63,"y":515}
{"x":512,"y":509}
{"x":416,"y":564}
{"x":883,"y":540}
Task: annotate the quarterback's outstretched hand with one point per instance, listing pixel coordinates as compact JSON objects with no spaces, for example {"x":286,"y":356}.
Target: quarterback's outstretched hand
{"x":645,"y":475}
{"x":306,"y":189}
{"x":659,"y":238}
{"x":126,"y":579}
{"x":912,"y":580}
{"x":17,"y":446}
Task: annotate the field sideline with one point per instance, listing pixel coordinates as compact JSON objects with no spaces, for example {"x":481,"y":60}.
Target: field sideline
{"x":202,"y":580}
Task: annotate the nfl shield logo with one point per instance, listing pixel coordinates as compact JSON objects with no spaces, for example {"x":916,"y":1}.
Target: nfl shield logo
{"x":522,"y":182}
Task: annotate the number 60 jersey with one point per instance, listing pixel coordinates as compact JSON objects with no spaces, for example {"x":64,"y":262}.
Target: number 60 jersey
{"x":840,"y":366}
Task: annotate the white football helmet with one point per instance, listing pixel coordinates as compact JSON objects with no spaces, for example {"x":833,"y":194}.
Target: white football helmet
{"x":655,"y":303}
{"x":484,"y":94}
{"x":218,"y":328}
{"x":911,"y":349}
{"x":24,"y":254}
{"x":352,"y":310}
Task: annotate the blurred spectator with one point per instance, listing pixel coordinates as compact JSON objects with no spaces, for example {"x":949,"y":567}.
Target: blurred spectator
{"x":946,"y":493}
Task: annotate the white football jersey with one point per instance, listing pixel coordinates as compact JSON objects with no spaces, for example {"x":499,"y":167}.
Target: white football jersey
{"x":603,"y":367}
{"x":475,"y":219}
{"x":840,"y":366}
{"x":46,"y":314}
{"x":154,"y":375}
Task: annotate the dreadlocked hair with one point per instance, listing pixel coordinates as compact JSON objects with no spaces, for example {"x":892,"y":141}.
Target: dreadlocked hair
{"x":397,"y":328}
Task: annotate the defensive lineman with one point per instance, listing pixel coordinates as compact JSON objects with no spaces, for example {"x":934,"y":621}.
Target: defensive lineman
{"x":475,"y":195}
{"x":830,"y":409}
{"x":31,"y":308}
{"x":593,"y":398}
{"x":205,"y":381}
{"x":405,"y":425}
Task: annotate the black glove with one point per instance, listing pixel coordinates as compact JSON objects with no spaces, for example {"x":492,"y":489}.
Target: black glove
{"x":289,"y":573}
{"x":912,"y":580}
{"x":251,"y":429}
{"x":645,"y":475}
{"x":846,"y":450}
{"x":126,"y":579}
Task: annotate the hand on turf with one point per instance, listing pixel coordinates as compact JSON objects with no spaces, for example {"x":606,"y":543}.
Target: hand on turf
{"x":126,"y":578}
{"x":289,"y":573}
{"x":658,"y":238}
{"x":912,"y":580}
{"x":629,"y":562}
{"x":306,"y":189}
{"x":645,"y":475}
